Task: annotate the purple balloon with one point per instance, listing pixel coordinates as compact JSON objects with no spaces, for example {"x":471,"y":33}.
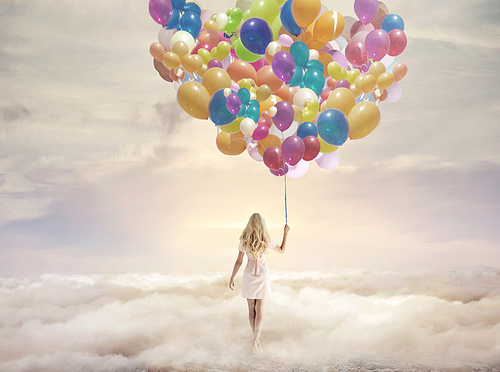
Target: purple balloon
{"x":233,"y":103}
{"x":366,"y":10}
{"x":377,"y":44}
{"x":160,"y":11}
{"x":284,"y":116}
{"x":339,"y":57}
{"x":343,"y":83}
{"x":293,"y":149}
{"x":283,"y":66}
{"x":214,"y":63}
{"x":260,"y":132}
{"x":280,"y":172}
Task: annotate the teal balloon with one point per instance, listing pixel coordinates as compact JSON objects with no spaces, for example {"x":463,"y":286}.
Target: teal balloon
{"x":244,"y":94}
{"x":253,"y":112}
{"x":333,"y":127}
{"x":297,"y":77}
{"x":217,"y":109}
{"x":243,"y":111}
{"x":300,"y":53}
{"x":314,"y":79}
{"x":314,"y":63}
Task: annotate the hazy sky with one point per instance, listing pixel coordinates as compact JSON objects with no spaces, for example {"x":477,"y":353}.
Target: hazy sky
{"x":101,"y":171}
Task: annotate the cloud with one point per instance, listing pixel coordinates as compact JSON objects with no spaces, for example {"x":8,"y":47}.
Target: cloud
{"x":343,"y":318}
{"x":14,"y":112}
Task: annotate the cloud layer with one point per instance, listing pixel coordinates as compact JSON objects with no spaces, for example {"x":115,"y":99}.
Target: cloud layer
{"x":341,"y":319}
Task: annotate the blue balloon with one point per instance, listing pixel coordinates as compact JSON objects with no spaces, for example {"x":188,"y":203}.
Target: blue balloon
{"x":178,"y":4}
{"x":192,"y":7}
{"x":287,"y":19}
{"x":307,"y":129}
{"x":297,"y":77}
{"x":314,"y":79}
{"x":300,"y":52}
{"x":255,"y":35}
{"x":191,"y":22}
{"x":175,"y":19}
{"x":393,"y":22}
{"x":218,"y":111}
{"x":314,"y":63}
{"x":333,"y":127}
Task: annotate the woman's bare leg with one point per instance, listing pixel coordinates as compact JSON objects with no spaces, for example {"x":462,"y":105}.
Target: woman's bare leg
{"x":251,"y":314}
{"x":259,"y":308}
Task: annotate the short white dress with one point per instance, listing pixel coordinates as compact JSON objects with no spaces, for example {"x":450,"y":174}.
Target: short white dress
{"x":256,"y":279}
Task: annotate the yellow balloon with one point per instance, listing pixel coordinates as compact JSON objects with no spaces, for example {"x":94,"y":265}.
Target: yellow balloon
{"x":223,"y":50}
{"x":352,"y":75}
{"x":202,"y":70}
{"x":376,"y":69}
{"x":231,"y":144}
{"x":355,"y":91}
{"x":263,"y":93}
{"x":210,"y":25}
{"x":323,"y":106}
{"x":270,"y":102}
{"x":304,"y":12}
{"x":311,"y":110}
{"x":171,"y":60}
{"x":334,"y":70}
{"x":191,"y":62}
{"x":180,"y":48}
{"x":343,"y":73}
{"x":326,"y":148}
{"x":341,"y":99}
{"x":216,"y":78}
{"x":233,"y":127}
{"x":194,"y":99}
{"x":245,"y":83}
{"x":298,"y":114}
{"x":365,"y":83}
{"x":385,"y":80}
{"x":205,"y":55}
{"x":363,"y":119}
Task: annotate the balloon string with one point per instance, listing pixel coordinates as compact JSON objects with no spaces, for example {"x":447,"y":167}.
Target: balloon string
{"x":286,"y":210}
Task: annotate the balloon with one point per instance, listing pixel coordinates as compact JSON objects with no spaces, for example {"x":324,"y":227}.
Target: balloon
{"x":180,"y":48}
{"x":214,"y":63}
{"x":267,"y":121}
{"x":247,"y":126}
{"x":341,"y":99}
{"x":365,"y":83}
{"x":283,"y":66}
{"x":171,"y":60}
{"x":348,"y":23}
{"x":314,"y":80}
{"x":293,"y":149}
{"x":191,"y":62}
{"x":157,"y":51}
{"x":233,"y":103}
{"x":243,"y":53}
{"x":307,"y":129}
{"x":164,"y":37}
{"x":399,"y":71}
{"x":194,"y":99}
{"x":385,"y":80}
{"x":355,"y":53}
{"x":394,"y":93}
{"x":256,"y":34}
{"x":263,"y":93}
{"x":238,"y":70}
{"x":217,"y":109}
{"x":352,"y":75}
{"x":216,"y":78}
{"x":328,"y":161}
{"x":305,"y":11}
{"x":270,"y":140}
{"x":191,"y":22}
{"x":233,"y":127}
{"x":366,"y":10}
{"x":363,"y":119}
{"x":298,"y":170}
{"x":162,"y":70}
{"x":268,"y":10}
{"x":287,"y":19}
{"x":328,"y":26}
{"x":300,"y":53}
{"x":260,"y":132}
{"x":266,"y":76}
{"x":273,"y":158}
{"x":302,"y":96}
{"x":254,"y":153}
{"x":284,"y":115}
{"x":160,"y":10}
{"x":393,"y":22}
{"x":376,"y":69}
{"x":183,"y":36}
{"x":325,"y":148}
{"x":174,"y":20}
{"x":230,"y":144}
{"x":333,"y":127}
{"x":343,"y":83}
{"x":192,"y":7}
{"x":377,"y":44}
{"x":209,"y":36}
{"x":312,"y":147}
{"x":398,"y":42}
{"x":285,"y":40}
{"x":358,"y":26}
{"x":280,"y":172}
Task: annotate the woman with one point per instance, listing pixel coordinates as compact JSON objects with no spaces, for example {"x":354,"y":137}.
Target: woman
{"x":256,"y":243}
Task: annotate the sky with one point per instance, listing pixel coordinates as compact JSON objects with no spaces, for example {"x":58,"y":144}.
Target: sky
{"x":102,"y":172}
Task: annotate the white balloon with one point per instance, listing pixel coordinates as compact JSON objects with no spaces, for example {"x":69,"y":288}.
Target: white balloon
{"x":273,"y":47}
{"x":185,"y":37}
{"x":302,"y":96}
{"x":221,"y":20}
{"x":298,"y":170}
{"x":313,"y":54}
{"x":287,"y":133}
{"x":164,"y":37}
{"x":247,"y":126}
{"x":328,"y":161}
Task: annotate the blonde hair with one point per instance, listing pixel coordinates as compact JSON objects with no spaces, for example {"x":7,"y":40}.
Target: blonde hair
{"x":255,"y":237}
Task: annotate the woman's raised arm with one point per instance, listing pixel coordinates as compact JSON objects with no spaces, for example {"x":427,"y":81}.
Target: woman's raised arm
{"x":283,"y":243}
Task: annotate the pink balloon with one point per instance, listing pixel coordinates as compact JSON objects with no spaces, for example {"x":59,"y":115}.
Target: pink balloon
{"x":359,"y":27}
{"x":377,"y":44}
{"x":378,"y":23}
{"x":328,"y":161}
{"x":254,"y":153}
{"x":160,"y":11}
{"x":260,"y":132}
{"x":273,"y":158}
{"x":297,"y":171}
{"x":394,"y":93}
{"x":280,"y":172}
{"x":293,"y":149}
{"x":355,"y":52}
{"x":366,"y":10}
{"x":398,"y":42}
{"x":312,"y":147}
{"x":284,"y":116}
{"x":265,"y":121}
{"x":361,"y":36}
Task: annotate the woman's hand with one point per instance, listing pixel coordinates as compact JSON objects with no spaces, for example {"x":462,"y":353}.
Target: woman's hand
{"x":231,"y":284}
{"x":287,"y":229}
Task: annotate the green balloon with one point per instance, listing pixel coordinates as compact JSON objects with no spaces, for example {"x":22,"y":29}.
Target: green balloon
{"x":265,"y":9}
{"x":276,"y":26}
{"x":243,"y":54}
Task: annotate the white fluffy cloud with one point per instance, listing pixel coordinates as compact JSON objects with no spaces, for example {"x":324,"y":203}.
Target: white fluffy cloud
{"x":341,"y":319}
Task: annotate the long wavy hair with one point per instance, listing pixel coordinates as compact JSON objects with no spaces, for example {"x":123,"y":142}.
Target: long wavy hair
{"x":255,"y":236}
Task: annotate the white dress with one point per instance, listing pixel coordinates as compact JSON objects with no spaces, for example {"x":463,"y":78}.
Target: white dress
{"x":256,"y":279}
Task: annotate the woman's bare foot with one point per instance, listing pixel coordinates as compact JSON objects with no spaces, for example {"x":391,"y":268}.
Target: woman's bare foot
{"x":256,"y":347}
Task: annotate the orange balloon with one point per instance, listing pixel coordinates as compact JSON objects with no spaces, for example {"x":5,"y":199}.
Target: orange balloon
{"x":157,"y":51}
{"x":363,"y":119}
{"x":214,"y":79}
{"x":399,"y":71}
{"x":270,"y":140}
{"x":325,"y":59}
{"x":194,"y":99}
{"x":328,"y":26}
{"x":305,"y":11}
{"x":265,"y":75}
{"x":239,"y":69}
{"x":231,"y":144}
{"x":209,"y":36}
{"x":284,"y":92}
{"x":268,"y":103}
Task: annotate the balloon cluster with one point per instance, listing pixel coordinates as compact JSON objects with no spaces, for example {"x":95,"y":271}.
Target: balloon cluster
{"x":287,"y":81}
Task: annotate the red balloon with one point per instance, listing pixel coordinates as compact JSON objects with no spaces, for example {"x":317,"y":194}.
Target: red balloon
{"x":312,"y":147}
{"x":273,"y":158}
{"x":265,"y":120}
{"x":355,"y":52}
{"x":398,"y":42}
